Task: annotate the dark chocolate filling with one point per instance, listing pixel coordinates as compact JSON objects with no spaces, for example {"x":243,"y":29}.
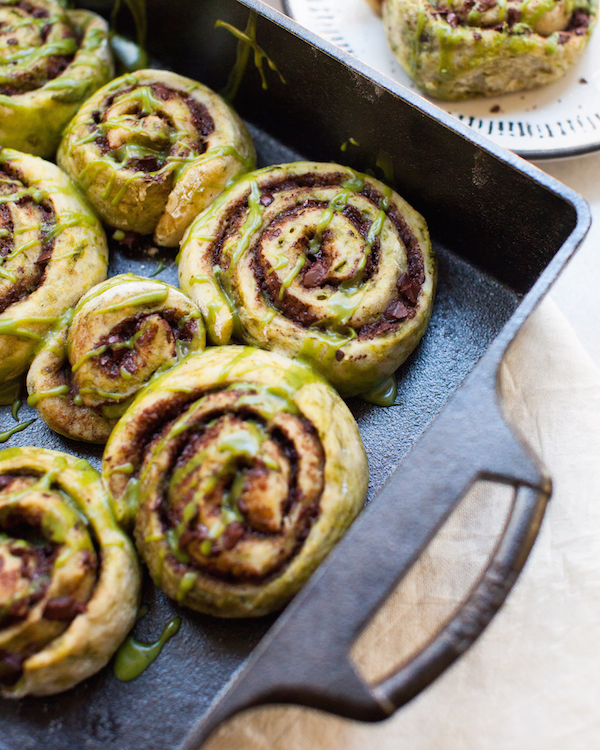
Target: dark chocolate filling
{"x":201,"y":119}
{"x":184,"y":447}
{"x":314,"y":272}
{"x":46,"y":216}
{"x":112,"y":360}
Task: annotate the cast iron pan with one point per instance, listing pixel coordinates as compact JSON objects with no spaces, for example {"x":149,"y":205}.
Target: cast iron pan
{"x":502,"y":231}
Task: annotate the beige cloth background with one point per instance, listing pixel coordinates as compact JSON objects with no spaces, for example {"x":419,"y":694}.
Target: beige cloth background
{"x":532,"y":680}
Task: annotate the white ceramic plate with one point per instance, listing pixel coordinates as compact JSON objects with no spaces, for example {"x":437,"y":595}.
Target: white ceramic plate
{"x":552,"y":122}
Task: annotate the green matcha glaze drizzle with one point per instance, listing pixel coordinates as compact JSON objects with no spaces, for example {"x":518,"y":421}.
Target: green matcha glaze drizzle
{"x":16,"y":406}
{"x":134,"y":657}
{"x":14,"y":327}
{"x":384,"y":394}
{"x":59,"y":391}
{"x":160,"y":266}
{"x":137,"y":8}
{"x":247,"y":41}
{"x":147,"y":298}
{"x":349,"y":142}
{"x":7,"y":434}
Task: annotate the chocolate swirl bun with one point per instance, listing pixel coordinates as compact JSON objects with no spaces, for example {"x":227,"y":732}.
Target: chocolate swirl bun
{"x":52,"y":250}
{"x":51,"y":60}
{"x":69,"y":580}
{"x":317,"y":261}
{"x":92,"y":365}
{"x":466,"y":48}
{"x":242,"y":468}
{"x":152,"y":149}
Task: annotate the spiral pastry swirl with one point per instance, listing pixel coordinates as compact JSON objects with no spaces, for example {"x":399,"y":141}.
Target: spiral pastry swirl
{"x":318,"y":261}
{"x":51,"y":60}
{"x":52,"y":249}
{"x":69,"y":580}
{"x":465,"y":48}
{"x":236,"y":465}
{"x":94,"y":362}
{"x":152,"y":149}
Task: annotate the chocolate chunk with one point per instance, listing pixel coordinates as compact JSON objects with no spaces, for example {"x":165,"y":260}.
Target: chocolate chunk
{"x":495,"y":108}
{"x":476,"y":36}
{"x":146,"y":164}
{"x":18,"y":609}
{"x":409,"y":288}
{"x":163,"y":92}
{"x":452,"y":19}
{"x":315,"y":275}
{"x":512,"y":16}
{"x":201,"y":118}
{"x":44,"y":257}
{"x":339,"y":355}
{"x":579,"y":20}
{"x":32,"y":10}
{"x":200,"y":533}
{"x":88,"y":561}
{"x":63,"y":608}
{"x":56,"y":64}
{"x":266,"y":199}
{"x":232,"y":535}
{"x":398,"y":310}
{"x":187,"y":536}
{"x":11,"y":666}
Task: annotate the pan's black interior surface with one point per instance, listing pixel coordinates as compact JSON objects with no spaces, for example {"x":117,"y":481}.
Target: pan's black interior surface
{"x":495,"y":230}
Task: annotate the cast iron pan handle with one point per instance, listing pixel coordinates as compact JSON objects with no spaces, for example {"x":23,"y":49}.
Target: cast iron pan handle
{"x":484,"y":601}
{"x":304,"y":659}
